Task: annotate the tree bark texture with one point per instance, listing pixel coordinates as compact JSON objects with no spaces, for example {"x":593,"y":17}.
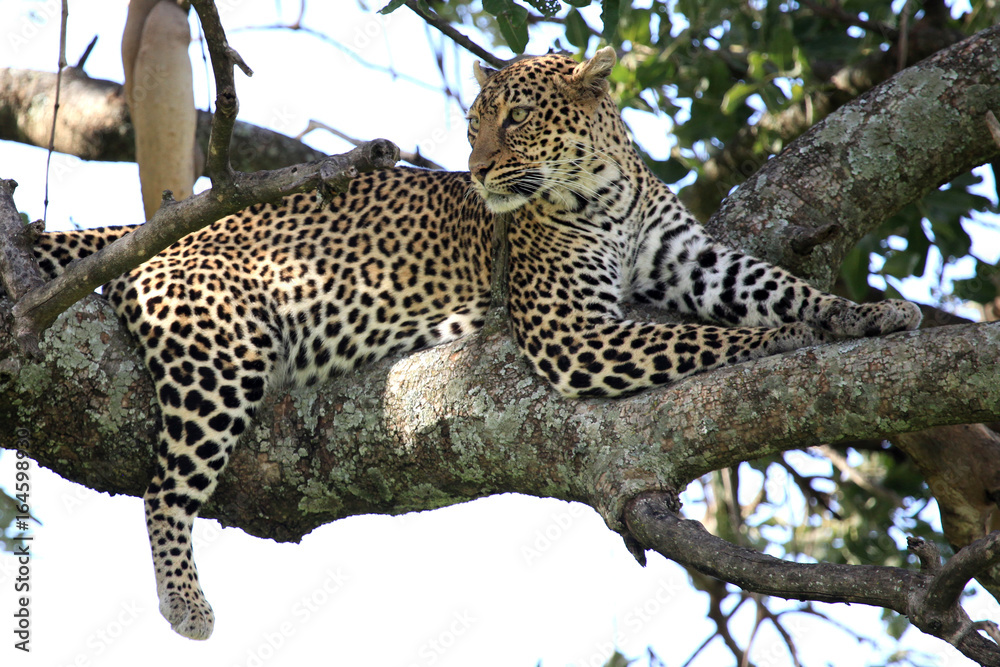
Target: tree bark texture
{"x":468,"y":419}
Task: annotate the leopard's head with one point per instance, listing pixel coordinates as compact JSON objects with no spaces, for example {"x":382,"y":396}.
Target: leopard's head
{"x":544,"y":127}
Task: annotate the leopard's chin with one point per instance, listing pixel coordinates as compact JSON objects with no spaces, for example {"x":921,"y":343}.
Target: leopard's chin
{"x":501,"y":202}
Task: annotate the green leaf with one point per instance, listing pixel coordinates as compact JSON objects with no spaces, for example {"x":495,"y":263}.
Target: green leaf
{"x":392,"y":6}
{"x":756,"y":65}
{"x":905,"y":263}
{"x":514,"y":27}
{"x":610,"y":13}
{"x":496,"y":7}
{"x":579,"y":3}
{"x":895,"y":624}
{"x":577,"y":30}
{"x":547,"y":8}
{"x":735,"y":96}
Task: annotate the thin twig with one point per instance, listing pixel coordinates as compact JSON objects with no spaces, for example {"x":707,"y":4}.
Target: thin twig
{"x":86,"y":53}
{"x":416,"y":159}
{"x":55,"y":110}
{"x":804,"y":483}
{"x":840,"y":463}
{"x":904,"y":36}
{"x":785,"y":635}
{"x":350,"y":53}
{"x":227,"y":106}
{"x":439,"y":61}
{"x":808,"y":609}
{"x":454,"y":35}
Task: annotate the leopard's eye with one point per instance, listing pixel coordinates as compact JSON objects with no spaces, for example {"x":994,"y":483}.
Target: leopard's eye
{"x":518,"y":114}
{"x":474,"y":123}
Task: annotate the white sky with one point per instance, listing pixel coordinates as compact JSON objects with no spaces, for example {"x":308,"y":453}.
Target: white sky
{"x":508,"y":580}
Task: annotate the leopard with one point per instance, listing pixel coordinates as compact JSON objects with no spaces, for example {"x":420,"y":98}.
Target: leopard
{"x":292,"y":292}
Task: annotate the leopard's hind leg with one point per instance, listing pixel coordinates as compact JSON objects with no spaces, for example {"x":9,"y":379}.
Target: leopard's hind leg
{"x":210,"y":365}
{"x":204,"y":413}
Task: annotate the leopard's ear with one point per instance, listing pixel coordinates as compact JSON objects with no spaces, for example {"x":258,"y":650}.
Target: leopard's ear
{"x":483,"y":73}
{"x":590,"y":78}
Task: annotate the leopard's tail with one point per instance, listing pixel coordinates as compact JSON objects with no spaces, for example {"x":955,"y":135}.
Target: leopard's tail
{"x":56,"y":250}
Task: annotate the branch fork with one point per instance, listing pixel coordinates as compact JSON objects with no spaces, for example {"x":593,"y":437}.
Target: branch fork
{"x":930,"y":598}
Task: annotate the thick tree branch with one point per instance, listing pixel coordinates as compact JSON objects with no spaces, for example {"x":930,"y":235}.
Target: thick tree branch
{"x":929,"y":598}
{"x":95,"y":125}
{"x":468,"y":419}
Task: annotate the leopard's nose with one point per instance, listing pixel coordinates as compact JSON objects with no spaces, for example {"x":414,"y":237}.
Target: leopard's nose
{"x":480,"y":169}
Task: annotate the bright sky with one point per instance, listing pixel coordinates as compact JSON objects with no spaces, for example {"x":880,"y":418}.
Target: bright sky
{"x":507,"y":580}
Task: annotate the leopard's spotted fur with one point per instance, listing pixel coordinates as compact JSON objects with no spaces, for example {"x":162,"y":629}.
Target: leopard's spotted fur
{"x":300,"y":290}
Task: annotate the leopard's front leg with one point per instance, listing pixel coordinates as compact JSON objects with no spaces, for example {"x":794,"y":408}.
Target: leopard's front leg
{"x":679,"y":267}
{"x":564,"y":293}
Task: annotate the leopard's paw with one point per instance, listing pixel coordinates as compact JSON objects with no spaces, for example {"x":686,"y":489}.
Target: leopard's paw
{"x":189,"y":614}
{"x":852,"y":320}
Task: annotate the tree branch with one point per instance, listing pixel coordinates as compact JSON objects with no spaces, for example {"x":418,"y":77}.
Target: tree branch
{"x":468,"y":419}
{"x":416,"y":159}
{"x":95,"y":124}
{"x":19,"y":272}
{"x":227,"y":106}
{"x":929,"y":599}
{"x":231,"y":192}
